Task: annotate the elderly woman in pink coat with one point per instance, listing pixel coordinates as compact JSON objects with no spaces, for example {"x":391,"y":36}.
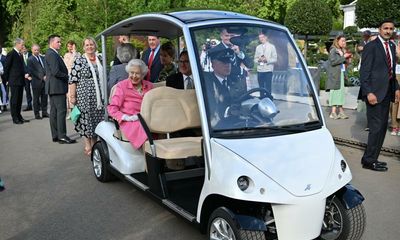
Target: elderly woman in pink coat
{"x":127,"y":100}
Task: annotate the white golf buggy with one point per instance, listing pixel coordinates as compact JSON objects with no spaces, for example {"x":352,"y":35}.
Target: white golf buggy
{"x":266,"y":167}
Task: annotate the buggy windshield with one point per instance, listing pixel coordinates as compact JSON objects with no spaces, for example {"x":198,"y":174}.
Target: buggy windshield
{"x":253,"y":81}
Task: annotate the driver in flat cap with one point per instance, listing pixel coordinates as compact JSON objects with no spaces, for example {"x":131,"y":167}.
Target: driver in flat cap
{"x":221,"y":87}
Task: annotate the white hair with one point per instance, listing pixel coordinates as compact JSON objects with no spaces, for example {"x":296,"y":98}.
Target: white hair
{"x":139,"y":63}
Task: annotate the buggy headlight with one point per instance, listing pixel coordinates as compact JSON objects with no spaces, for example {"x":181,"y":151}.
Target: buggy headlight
{"x":343,"y":165}
{"x":243,"y":183}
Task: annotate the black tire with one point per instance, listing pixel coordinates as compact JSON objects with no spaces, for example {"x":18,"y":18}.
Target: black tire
{"x":341,"y":223}
{"x":222,"y":218}
{"x":100,"y":163}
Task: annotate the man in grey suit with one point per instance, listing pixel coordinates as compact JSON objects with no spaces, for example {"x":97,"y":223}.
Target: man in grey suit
{"x":378,"y":87}
{"x":57,"y":88}
{"x":37,"y":74}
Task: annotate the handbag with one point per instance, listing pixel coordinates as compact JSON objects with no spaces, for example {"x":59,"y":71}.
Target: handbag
{"x":75,"y":114}
{"x":361,"y":106}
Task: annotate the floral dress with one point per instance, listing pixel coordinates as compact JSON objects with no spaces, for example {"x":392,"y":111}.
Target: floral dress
{"x":86,"y":97}
{"x":167,"y":71}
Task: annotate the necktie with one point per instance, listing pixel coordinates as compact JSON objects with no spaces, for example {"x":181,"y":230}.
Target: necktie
{"x":40,"y":61}
{"x":189,"y":83}
{"x":224,"y":82}
{"x":388,"y":59}
{"x":149,"y":64}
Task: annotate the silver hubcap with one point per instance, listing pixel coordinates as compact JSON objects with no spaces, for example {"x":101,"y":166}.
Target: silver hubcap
{"x":97,"y":166}
{"x":221,"y":230}
{"x":333,"y":222}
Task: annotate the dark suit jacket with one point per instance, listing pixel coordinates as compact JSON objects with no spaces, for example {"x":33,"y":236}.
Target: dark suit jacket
{"x":220,"y":97}
{"x":237,"y":61}
{"x":3,"y":59}
{"x":56,"y":73}
{"x":175,"y":81}
{"x":36,"y":71}
{"x":14,"y":69}
{"x":374,"y":72}
{"x":156,"y":65}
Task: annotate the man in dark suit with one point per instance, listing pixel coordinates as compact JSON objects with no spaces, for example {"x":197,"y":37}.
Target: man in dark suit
{"x":378,"y":87}
{"x":239,"y":56}
{"x":183,"y":79}
{"x":151,"y":56}
{"x":57,"y":88}
{"x":37,"y":74}
{"x":28,"y":92}
{"x":221,"y":87}
{"x":14,"y":75}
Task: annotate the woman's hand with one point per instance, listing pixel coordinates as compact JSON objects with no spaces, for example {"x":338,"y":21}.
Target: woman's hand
{"x":129,"y":118}
{"x":72,"y":100}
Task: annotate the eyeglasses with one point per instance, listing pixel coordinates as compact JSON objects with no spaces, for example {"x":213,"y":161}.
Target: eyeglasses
{"x":182,"y":62}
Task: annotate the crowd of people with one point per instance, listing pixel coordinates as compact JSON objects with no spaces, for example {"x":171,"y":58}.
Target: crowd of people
{"x":76,"y":80}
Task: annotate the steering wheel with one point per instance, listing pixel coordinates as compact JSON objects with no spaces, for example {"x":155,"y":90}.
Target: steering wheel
{"x":263,"y":94}
{"x":253,"y":117}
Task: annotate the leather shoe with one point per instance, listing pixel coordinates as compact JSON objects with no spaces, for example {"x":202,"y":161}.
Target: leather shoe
{"x":66,"y":140}
{"x":27,"y":109}
{"x":18,"y":122}
{"x":45,"y":115}
{"x":55,"y":139}
{"x":38,"y":117}
{"x":24,"y":120}
{"x":383,"y":164}
{"x":375,"y":167}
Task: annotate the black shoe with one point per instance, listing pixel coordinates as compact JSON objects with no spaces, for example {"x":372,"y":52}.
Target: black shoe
{"x":66,"y":140}
{"x":375,"y":167}
{"x":5,"y":108}
{"x":45,"y":115}
{"x":383,"y":164}
{"x":38,"y":117}
{"x":24,"y":120}
{"x":29,"y":108}
{"x":18,"y":122}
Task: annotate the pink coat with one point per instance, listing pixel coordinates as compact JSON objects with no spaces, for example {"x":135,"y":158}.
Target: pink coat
{"x":127,"y":100}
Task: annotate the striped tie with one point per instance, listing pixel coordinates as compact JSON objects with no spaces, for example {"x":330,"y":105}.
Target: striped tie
{"x":388,"y":59}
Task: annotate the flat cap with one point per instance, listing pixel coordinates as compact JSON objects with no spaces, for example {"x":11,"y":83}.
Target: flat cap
{"x":224,"y":55}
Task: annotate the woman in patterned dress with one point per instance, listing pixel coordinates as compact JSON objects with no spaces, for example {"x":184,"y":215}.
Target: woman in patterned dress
{"x":86,"y":81}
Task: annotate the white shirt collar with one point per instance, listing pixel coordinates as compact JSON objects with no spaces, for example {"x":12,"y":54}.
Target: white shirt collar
{"x":384,"y":46}
{"x":220,"y":79}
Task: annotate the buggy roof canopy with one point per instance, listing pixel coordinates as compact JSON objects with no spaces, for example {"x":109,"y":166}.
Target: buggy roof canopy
{"x":167,"y":25}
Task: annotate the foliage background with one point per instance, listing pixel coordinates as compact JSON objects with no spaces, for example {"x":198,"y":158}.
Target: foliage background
{"x":35,"y":20}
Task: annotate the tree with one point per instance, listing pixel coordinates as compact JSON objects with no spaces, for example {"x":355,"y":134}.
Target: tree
{"x":309,"y":17}
{"x":371,"y":12}
{"x":345,"y":2}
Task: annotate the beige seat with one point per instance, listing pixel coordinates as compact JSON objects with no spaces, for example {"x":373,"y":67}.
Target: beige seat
{"x":166,"y":110}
